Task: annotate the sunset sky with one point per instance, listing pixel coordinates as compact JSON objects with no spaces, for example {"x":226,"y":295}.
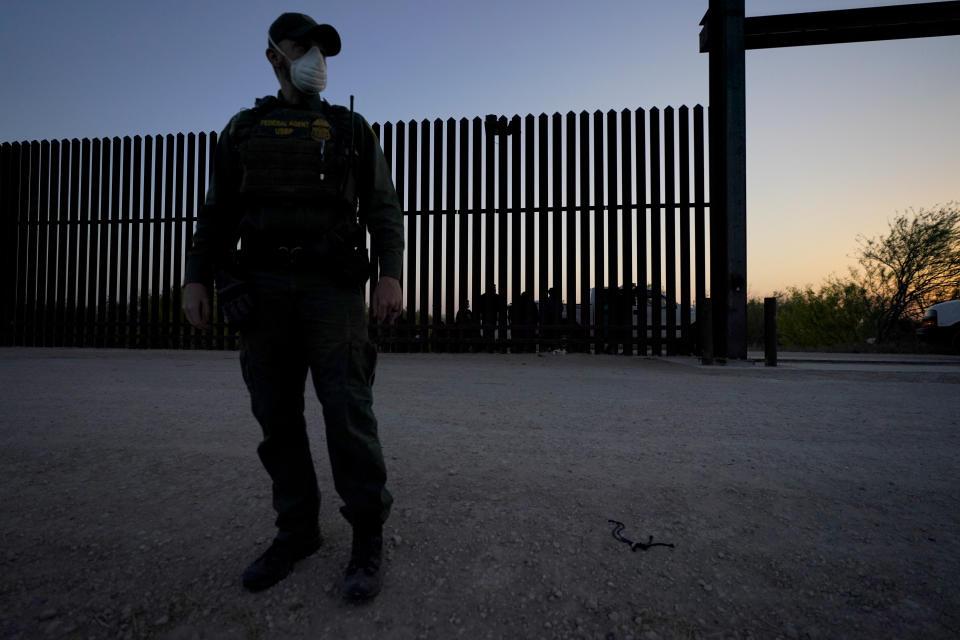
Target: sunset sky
{"x":839,"y":138}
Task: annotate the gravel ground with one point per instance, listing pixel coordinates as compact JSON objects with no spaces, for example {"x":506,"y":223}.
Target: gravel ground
{"x":802,"y":502}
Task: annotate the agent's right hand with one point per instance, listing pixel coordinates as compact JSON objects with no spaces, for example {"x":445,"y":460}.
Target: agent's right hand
{"x":196,"y":305}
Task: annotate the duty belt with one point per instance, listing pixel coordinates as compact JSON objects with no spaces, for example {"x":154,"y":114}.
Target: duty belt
{"x":302,"y":256}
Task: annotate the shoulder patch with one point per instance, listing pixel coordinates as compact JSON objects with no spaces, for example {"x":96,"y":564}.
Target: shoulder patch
{"x":241,"y":121}
{"x":246,"y":119}
{"x":265,"y":102}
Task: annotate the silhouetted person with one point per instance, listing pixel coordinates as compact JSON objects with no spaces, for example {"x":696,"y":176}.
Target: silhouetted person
{"x":524,"y":318}
{"x":550,"y":319}
{"x":466,"y":328}
{"x":401,"y":335}
{"x":624,"y":317}
{"x":489,"y":316}
{"x":439,"y":336}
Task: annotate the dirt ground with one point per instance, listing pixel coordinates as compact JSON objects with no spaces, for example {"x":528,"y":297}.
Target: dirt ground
{"x":803,"y":501}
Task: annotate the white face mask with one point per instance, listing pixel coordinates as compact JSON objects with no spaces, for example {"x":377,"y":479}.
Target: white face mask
{"x":308,"y":72}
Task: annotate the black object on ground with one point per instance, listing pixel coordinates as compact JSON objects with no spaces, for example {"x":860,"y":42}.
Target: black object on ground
{"x":619,"y":526}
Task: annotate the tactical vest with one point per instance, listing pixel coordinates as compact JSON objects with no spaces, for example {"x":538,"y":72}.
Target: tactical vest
{"x":297,"y":156}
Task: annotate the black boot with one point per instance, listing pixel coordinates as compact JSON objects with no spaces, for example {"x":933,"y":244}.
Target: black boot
{"x":362,"y":579}
{"x":277,"y":561}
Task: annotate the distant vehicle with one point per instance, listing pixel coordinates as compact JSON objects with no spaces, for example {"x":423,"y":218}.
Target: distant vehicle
{"x":665,"y":305}
{"x":941,"y":325}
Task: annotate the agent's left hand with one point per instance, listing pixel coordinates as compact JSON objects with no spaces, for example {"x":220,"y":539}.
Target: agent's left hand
{"x":387,"y":299}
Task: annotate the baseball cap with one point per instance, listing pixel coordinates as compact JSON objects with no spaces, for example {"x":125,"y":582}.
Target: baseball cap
{"x":297,"y":25}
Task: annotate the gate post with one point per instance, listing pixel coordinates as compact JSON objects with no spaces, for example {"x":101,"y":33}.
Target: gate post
{"x":728,"y":178}
{"x":770,"y":331}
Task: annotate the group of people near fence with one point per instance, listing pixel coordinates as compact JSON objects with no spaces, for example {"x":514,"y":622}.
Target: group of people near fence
{"x":485,"y":327}
{"x":526,"y":325}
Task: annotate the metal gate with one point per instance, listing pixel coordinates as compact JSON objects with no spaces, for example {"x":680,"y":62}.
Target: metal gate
{"x":577,"y":231}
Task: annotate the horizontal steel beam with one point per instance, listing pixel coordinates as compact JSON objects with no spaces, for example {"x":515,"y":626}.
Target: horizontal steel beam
{"x":922,"y":20}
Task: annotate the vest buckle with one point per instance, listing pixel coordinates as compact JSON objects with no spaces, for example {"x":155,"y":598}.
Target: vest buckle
{"x":291,"y":256}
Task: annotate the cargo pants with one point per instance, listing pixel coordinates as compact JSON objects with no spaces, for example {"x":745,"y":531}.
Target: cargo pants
{"x":309,"y":322}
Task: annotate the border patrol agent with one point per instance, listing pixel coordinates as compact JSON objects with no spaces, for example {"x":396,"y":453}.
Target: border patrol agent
{"x":296,"y":180}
